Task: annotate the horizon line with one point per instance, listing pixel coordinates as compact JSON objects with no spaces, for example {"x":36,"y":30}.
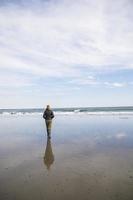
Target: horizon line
{"x":69,"y":107}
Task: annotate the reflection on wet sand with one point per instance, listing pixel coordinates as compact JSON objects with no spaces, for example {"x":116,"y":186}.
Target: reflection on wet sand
{"x":48,"y":156}
{"x":94,"y":159}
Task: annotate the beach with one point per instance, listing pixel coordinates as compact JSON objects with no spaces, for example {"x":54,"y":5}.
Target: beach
{"x":89,"y":157}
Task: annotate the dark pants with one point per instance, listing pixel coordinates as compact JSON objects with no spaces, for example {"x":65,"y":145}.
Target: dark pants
{"x":48,"y":126}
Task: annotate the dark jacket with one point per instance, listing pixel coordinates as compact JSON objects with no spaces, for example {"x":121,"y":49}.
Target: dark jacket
{"x":48,"y":114}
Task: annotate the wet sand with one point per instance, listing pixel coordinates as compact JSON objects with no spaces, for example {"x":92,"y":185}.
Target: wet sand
{"x":88,"y":158}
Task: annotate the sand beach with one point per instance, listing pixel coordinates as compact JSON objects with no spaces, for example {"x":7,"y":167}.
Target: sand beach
{"x":88,"y":157}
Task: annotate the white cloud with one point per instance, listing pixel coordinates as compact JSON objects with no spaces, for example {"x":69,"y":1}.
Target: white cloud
{"x":93,"y":81}
{"x":14,"y":81}
{"x":65,"y":40}
{"x":115,"y":84}
{"x":90,"y":80}
{"x":56,"y":38}
{"x":118,"y":84}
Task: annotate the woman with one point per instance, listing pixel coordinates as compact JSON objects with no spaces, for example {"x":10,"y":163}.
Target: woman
{"x":48,"y":115}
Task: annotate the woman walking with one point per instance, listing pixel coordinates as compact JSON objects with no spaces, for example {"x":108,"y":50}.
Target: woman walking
{"x":48,"y":115}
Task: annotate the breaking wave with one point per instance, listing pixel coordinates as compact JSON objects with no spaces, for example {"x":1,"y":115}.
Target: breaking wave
{"x":71,"y":111}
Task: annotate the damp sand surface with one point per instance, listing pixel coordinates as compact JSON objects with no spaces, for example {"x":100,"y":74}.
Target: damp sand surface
{"x":87,"y":158}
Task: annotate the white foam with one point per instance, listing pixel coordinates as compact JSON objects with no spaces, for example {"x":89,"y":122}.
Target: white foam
{"x":75,"y":112}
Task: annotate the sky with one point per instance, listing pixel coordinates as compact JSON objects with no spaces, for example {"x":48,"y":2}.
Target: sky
{"x":66,"y":53}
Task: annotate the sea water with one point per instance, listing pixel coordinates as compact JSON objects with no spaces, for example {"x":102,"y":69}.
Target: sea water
{"x":128,"y":110}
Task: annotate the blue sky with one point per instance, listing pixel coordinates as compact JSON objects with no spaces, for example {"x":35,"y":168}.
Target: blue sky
{"x":66,"y":53}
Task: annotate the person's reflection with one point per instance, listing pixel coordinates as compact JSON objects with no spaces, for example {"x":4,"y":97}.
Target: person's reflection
{"x":48,"y":156}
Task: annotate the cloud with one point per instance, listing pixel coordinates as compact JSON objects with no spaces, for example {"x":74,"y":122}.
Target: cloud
{"x":66,"y":37}
{"x":93,"y":81}
{"x":115,"y":84}
{"x":65,"y":44}
{"x":90,"y":80}
{"x":16,"y":81}
{"x":119,"y":84}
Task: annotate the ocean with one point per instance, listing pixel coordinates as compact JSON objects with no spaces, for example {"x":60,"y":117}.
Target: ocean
{"x":128,"y":110}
